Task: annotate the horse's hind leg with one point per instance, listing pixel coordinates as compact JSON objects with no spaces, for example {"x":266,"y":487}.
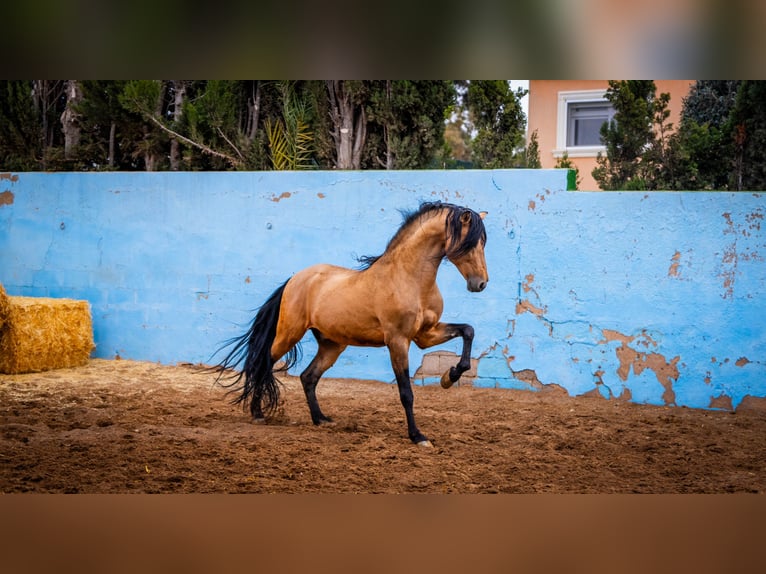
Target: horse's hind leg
{"x":328,"y":353}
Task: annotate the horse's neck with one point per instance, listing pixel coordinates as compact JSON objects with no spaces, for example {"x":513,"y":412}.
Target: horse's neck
{"x":418,"y":255}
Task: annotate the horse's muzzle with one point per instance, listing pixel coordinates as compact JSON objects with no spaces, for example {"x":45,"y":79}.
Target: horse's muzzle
{"x":475,"y":284}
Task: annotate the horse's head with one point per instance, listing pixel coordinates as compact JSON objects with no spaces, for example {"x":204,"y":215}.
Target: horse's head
{"x":466,"y":238}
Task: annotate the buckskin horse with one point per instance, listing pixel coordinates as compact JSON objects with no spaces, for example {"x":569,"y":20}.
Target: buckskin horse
{"x":391,"y":301}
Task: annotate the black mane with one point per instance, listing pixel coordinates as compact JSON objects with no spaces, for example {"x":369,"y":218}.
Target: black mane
{"x":455,"y":247}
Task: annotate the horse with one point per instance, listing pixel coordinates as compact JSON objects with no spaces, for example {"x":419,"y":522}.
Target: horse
{"x":391,"y":300}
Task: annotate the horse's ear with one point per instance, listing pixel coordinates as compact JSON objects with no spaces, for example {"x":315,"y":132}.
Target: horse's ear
{"x":465,"y":217}
{"x":483,"y":214}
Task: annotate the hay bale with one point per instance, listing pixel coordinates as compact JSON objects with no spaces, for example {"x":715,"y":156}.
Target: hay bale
{"x":40,"y":333}
{"x":5,"y":306}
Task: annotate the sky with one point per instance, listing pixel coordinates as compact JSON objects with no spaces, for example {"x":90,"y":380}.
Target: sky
{"x":525,"y":101}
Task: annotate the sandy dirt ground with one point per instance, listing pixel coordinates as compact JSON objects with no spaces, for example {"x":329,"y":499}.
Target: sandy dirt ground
{"x":137,"y":427}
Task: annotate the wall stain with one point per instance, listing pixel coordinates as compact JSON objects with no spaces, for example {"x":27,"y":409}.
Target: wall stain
{"x":12,"y":177}
{"x":675,"y":262}
{"x":733,"y":254}
{"x":283,"y":195}
{"x":6,"y":197}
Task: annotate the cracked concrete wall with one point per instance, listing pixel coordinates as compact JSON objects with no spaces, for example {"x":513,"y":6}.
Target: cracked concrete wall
{"x":650,"y":297}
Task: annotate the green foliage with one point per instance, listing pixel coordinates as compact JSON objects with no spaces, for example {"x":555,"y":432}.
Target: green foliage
{"x":20,"y":127}
{"x":290,"y":137}
{"x":109,"y":130}
{"x":531,"y":156}
{"x":627,"y":136}
{"x":405,"y":127}
{"x":747,"y":126}
{"x":704,"y":141}
{"x":719,"y":144}
{"x":499,"y":120}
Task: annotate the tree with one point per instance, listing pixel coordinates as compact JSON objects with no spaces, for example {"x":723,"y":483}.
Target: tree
{"x":626,"y":136}
{"x":108,"y":131}
{"x":496,"y":113}
{"x":747,"y":124}
{"x":70,"y":118}
{"x":640,"y":150}
{"x":20,"y":138}
{"x":406,"y":123}
{"x":530,"y":158}
{"x":348,"y":120}
{"x":221,"y":124}
{"x":704,"y":136}
{"x":31,"y":135}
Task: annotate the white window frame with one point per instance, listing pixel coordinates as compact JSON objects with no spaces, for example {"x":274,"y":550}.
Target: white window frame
{"x":570,"y":97}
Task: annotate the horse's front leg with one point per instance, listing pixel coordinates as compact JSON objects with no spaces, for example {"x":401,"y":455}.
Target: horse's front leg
{"x":443,"y":332}
{"x":399,"y":351}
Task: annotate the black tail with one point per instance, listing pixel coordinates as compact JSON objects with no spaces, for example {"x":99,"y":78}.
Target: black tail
{"x":260,"y":387}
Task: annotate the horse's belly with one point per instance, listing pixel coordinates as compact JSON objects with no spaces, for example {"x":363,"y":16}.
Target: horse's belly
{"x":348,"y":328}
{"x":340,"y":310}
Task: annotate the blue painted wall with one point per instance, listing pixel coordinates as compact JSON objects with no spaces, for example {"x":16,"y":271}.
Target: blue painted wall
{"x":653,"y":297}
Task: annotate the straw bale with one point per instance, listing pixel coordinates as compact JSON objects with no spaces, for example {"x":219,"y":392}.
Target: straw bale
{"x":5,"y":306}
{"x":40,"y":333}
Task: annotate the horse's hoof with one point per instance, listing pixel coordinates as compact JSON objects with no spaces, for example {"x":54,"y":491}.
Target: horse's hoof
{"x":446,"y":381}
{"x":425,"y":443}
{"x":259,"y":421}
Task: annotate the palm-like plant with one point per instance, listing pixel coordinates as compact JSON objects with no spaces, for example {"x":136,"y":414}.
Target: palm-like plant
{"x":290,"y":137}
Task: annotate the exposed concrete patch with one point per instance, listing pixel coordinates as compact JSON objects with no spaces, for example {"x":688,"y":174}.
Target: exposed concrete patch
{"x":529,"y":376}
{"x":665,"y":371}
{"x":742,"y":361}
{"x":436,"y":363}
{"x":722,"y":402}
{"x":526,"y":307}
{"x":12,"y":177}
{"x":750,"y":403}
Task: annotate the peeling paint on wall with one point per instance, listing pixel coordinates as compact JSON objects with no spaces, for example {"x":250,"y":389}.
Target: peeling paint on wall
{"x":628,"y":357}
{"x":675,"y":263}
{"x":735,"y":252}
{"x":283,"y":195}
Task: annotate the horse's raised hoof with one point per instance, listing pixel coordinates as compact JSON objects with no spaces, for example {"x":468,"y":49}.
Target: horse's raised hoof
{"x":446,"y":381}
{"x":425,"y":443}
